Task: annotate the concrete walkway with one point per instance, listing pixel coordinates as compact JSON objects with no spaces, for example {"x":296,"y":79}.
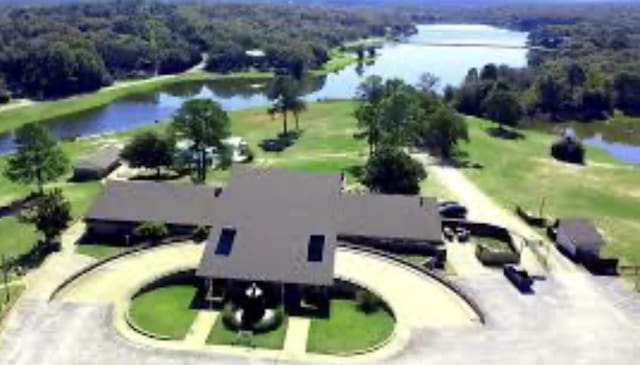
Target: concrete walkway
{"x":417,"y":300}
{"x":295,"y":343}
{"x":201,"y":327}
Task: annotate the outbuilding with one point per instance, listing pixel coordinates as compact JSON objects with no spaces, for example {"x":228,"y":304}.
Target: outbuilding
{"x":578,"y":238}
{"x":97,"y":165}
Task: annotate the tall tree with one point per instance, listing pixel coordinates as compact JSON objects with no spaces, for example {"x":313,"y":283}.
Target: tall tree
{"x":38,"y":158}
{"x":441,"y":131}
{"x":576,"y":76}
{"x":149,"y":150}
{"x":503,"y":108}
{"x":285,"y":93}
{"x":206,"y":124}
{"x":392,"y":171}
{"x":51,"y":215}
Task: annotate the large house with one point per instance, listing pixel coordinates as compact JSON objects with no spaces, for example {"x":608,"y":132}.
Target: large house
{"x":274,"y":227}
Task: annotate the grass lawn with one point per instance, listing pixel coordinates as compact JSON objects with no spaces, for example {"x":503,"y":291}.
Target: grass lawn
{"x":99,"y":251}
{"x":274,"y":340}
{"x":521,"y":172}
{"x":165,"y":311}
{"x":491,"y":243}
{"x":14,"y":294}
{"x":348,"y":329}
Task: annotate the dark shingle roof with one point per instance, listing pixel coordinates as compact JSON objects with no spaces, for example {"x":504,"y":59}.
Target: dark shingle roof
{"x":389,"y":216}
{"x":275,"y":212}
{"x":581,"y":232}
{"x":102,"y":160}
{"x":169,"y":203}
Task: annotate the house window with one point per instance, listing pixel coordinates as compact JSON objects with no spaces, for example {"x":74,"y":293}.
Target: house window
{"x":315,"y":248}
{"x":225,"y":242}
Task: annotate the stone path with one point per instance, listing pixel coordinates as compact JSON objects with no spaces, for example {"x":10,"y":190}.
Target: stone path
{"x":295,"y":342}
{"x":201,"y":327}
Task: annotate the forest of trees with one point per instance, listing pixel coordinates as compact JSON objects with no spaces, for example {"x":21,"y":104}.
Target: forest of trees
{"x":586,"y":69}
{"x":48,"y":52}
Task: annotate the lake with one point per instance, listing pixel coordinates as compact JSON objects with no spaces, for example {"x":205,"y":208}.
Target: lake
{"x":445,"y":50}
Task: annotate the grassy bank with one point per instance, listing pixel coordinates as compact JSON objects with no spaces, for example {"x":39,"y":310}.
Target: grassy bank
{"x":46,"y":110}
{"x":221,"y":335}
{"x":521,"y":172}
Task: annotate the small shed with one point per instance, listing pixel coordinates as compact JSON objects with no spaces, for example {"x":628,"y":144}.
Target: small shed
{"x":97,"y":165}
{"x":579,"y":238}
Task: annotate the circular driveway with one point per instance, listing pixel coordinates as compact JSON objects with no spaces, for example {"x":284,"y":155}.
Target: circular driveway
{"x":417,"y":300}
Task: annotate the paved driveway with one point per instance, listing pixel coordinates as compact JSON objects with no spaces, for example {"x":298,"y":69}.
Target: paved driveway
{"x":572,"y":319}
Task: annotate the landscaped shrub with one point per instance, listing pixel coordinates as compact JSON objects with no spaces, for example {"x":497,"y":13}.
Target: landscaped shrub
{"x":367,"y":302}
{"x":151,"y":231}
{"x":200,"y":233}
{"x":4,"y":97}
{"x":568,"y":149}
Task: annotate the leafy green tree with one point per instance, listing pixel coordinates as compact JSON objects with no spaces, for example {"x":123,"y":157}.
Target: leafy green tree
{"x":38,"y":158}
{"x":392,"y":171}
{"x":360,"y":53}
{"x":206,"y":124}
{"x":551,"y":95}
{"x":489,"y":72}
{"x":503,"y":107}
{"x":370,"y":93}
{"x":576,"y":76}
{"x":626,"y":87}
{"x":149,"y":150}
{"x":442,"y":130}
{"x":399,"y":112}
{"x":285,"y":93}
{"x":51,"y":215}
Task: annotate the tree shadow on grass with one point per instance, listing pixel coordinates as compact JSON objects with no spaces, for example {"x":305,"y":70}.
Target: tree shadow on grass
{"x":505,"y":133}
{"x":461,"y":160}
{"x":356,"y":171}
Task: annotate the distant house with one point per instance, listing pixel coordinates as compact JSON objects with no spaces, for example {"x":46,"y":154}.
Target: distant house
{"x":578,"y":238}
{"x":97,"y":165}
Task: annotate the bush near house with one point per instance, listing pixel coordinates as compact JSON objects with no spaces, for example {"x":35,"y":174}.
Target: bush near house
{"x":151,"y":231}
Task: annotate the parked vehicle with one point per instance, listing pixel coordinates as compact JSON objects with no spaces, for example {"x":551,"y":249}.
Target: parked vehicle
{"x":452,"y":210}
{"x":519,"y":277}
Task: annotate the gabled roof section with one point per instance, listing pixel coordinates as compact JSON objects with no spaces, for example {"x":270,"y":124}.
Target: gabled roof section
{"x":389,"y":217}
{"x":275,"y":213}
{"x":169,"y":203}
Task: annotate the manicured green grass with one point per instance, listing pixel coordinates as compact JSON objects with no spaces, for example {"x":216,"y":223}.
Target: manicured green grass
{"x":348,"y":329}
{"x":521,"y":172}
{"x":165,"y":311}
{"x":14,"y":294}
{"x":491,"y":243}
{"x":274,"y":340}
{"x":16,"y":238}
{"x":99,"y":251}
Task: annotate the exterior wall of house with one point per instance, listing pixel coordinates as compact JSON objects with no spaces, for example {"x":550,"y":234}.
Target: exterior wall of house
{"x":122,"y":229}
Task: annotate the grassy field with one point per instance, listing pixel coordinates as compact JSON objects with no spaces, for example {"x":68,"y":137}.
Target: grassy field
{"x":274,"y":340}
{"x":348,"y":329}
{"x":521,"y":172}
{"x":165,"y":311}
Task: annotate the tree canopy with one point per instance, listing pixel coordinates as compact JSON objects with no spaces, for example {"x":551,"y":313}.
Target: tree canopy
{"x":38,"y":158}
{"x":392,"y":171}
{"x":149,"y":150}
{"x":206,"y":124}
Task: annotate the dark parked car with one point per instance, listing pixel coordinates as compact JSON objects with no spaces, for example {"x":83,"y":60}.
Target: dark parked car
{"x":452,"y":210}
{"x":519,"y":278}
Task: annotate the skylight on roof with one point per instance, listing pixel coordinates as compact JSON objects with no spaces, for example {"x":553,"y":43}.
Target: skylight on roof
{"x":225,"y":242}
{"x":315,"y":248}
